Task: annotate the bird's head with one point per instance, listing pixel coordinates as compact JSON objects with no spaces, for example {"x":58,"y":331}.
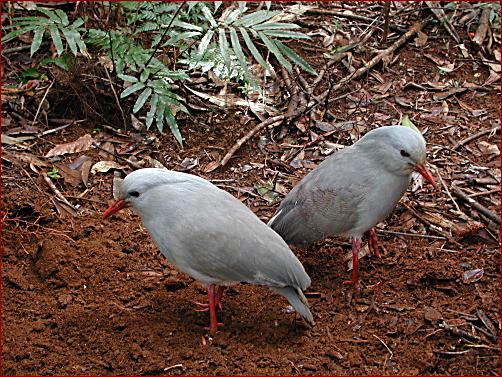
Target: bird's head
{"x":134,"y":188}
{"x":399,"y":149}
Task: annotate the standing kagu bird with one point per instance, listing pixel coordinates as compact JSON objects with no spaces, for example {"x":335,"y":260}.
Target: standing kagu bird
{"x":353,"y":190}
{"x":213,"y":237}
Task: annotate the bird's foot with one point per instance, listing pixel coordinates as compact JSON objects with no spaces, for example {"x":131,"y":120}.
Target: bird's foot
{"x":357,"y":286}
{"x":204,"y":307}
{"x":214,"y":327}
{"x":373,"y":243}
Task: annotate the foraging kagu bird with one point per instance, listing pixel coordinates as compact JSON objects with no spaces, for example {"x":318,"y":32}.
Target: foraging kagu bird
{"x":210,"y":235}
{"x":353,"y":190}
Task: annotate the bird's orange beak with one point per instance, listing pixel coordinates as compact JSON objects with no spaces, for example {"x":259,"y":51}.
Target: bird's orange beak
{"x":426,"y":174}
{"x":115,"y":207}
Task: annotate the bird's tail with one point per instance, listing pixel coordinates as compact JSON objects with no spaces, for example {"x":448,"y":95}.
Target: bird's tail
{"x":298,"y":300}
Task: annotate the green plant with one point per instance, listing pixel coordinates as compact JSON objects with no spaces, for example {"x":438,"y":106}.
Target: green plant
{"x":192,"y":35}
{"x":55,"y":23}
{"x":54,"y":173}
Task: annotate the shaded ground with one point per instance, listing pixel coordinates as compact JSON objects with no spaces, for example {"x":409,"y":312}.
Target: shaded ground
{"x":84,"y":295}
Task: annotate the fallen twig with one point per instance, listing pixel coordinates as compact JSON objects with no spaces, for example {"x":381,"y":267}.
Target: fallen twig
{"x":58,"y":193}
{"x":475,"y":136}
{"x":459,"y":332}
{"x":411,"y":234}
{"x":327,"y":12}
{"x":473,"y":203}
{"x":116,"y":98}
{"x":41,"y":103}
{"x":366,"y":67}
{"x":446,"y":189}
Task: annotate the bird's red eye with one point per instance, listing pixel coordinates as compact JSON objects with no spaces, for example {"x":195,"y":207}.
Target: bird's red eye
{"x":404,"y":153}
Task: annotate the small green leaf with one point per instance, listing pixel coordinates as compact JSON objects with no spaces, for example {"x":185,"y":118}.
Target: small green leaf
{"x":295,"y":58}
{"x":70,"y":39}
{"x":159,"y":116}
{"x":37,"y":39}
{"x":236,"y":46}
{"x":63,"y":17}
{"x":50,"y":14}
{"x":56,"y":39}
{"x":151,"y":113}
{"x":406,"y":122}
{"x":273,"y":48}
{"x":224,"y":47}
{"x":204,"y":43}
{"x":254,"y":51}
{"x":127,"y":78}
{"x":255,"y":18}
{"x":285,"y":34}
{"x":209,"y":16}
{"x":142,"y":98}
{"x":13,"y":34}
{"x":131,"y":89}
{"x":171,"y":121}
{"x":275,"y":26}
{"x":217,"y":5}
{"x":186,"y":25}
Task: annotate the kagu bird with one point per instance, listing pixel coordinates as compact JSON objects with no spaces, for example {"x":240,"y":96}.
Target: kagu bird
{"x":353,"y":190}
{"x":213,"y":237}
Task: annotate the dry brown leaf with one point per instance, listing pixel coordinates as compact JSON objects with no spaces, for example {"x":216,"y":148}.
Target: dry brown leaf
{"x":71,"y":176}
{"x":213,"y":165}
{"x":421,"y":39}
{"x":81,"y":144}
{"x":84,"y":170}
{"x":488,"y":148}
{"x":104,"y":166}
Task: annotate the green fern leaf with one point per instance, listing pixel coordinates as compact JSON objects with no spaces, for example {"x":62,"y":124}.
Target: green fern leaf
{"x":63,"y":17}
{"x":70,"y":38}
{"x":209,"y":16}
{"x":131,"y":89}
{"x":237,"y":48}
{"x":127,"y":78}
{"x":171,"y":121}
{"x":50,"y":14}
{"x":37,"y":39}
{"x":56,"y":38}
{"x":254,"y":51}
{"x":159,"y":115}
{"x":295,"y":58}
{"x":142,"y":98}
{"x":204,"y":43}
{"x":224,"y":47}
{"x":151,"y":113}
{"x":274,"y":50}
{"x":275,"y":26}
{"x":13,"y":34}
{"x":255,"y":18}
{"x":285,"y":34}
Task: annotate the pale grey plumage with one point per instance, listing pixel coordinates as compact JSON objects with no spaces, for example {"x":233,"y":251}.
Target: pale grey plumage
{"x":212,"y":236}
{"x":352,"y":190}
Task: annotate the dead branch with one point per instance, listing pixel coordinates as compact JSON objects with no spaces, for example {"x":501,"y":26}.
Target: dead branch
{"x":459,"y":332}
{"x":473,"y":203}
{"x":116,"y":98}
{"x":41,"y":103}
{"x":389,"y":50}
{"x":58,"y":193}
{"x":480,"y":35}
{"x":475,"y":136}
{"x":250,"y":134}
{"x":327,"y":12}
{"x":411,"y":235}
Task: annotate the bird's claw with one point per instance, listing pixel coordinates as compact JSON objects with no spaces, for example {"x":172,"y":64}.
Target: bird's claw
{"x":214,"y":329}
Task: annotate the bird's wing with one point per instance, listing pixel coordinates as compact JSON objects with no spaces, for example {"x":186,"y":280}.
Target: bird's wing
{"x":326,"y":201}
{"x":214,"y":235}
